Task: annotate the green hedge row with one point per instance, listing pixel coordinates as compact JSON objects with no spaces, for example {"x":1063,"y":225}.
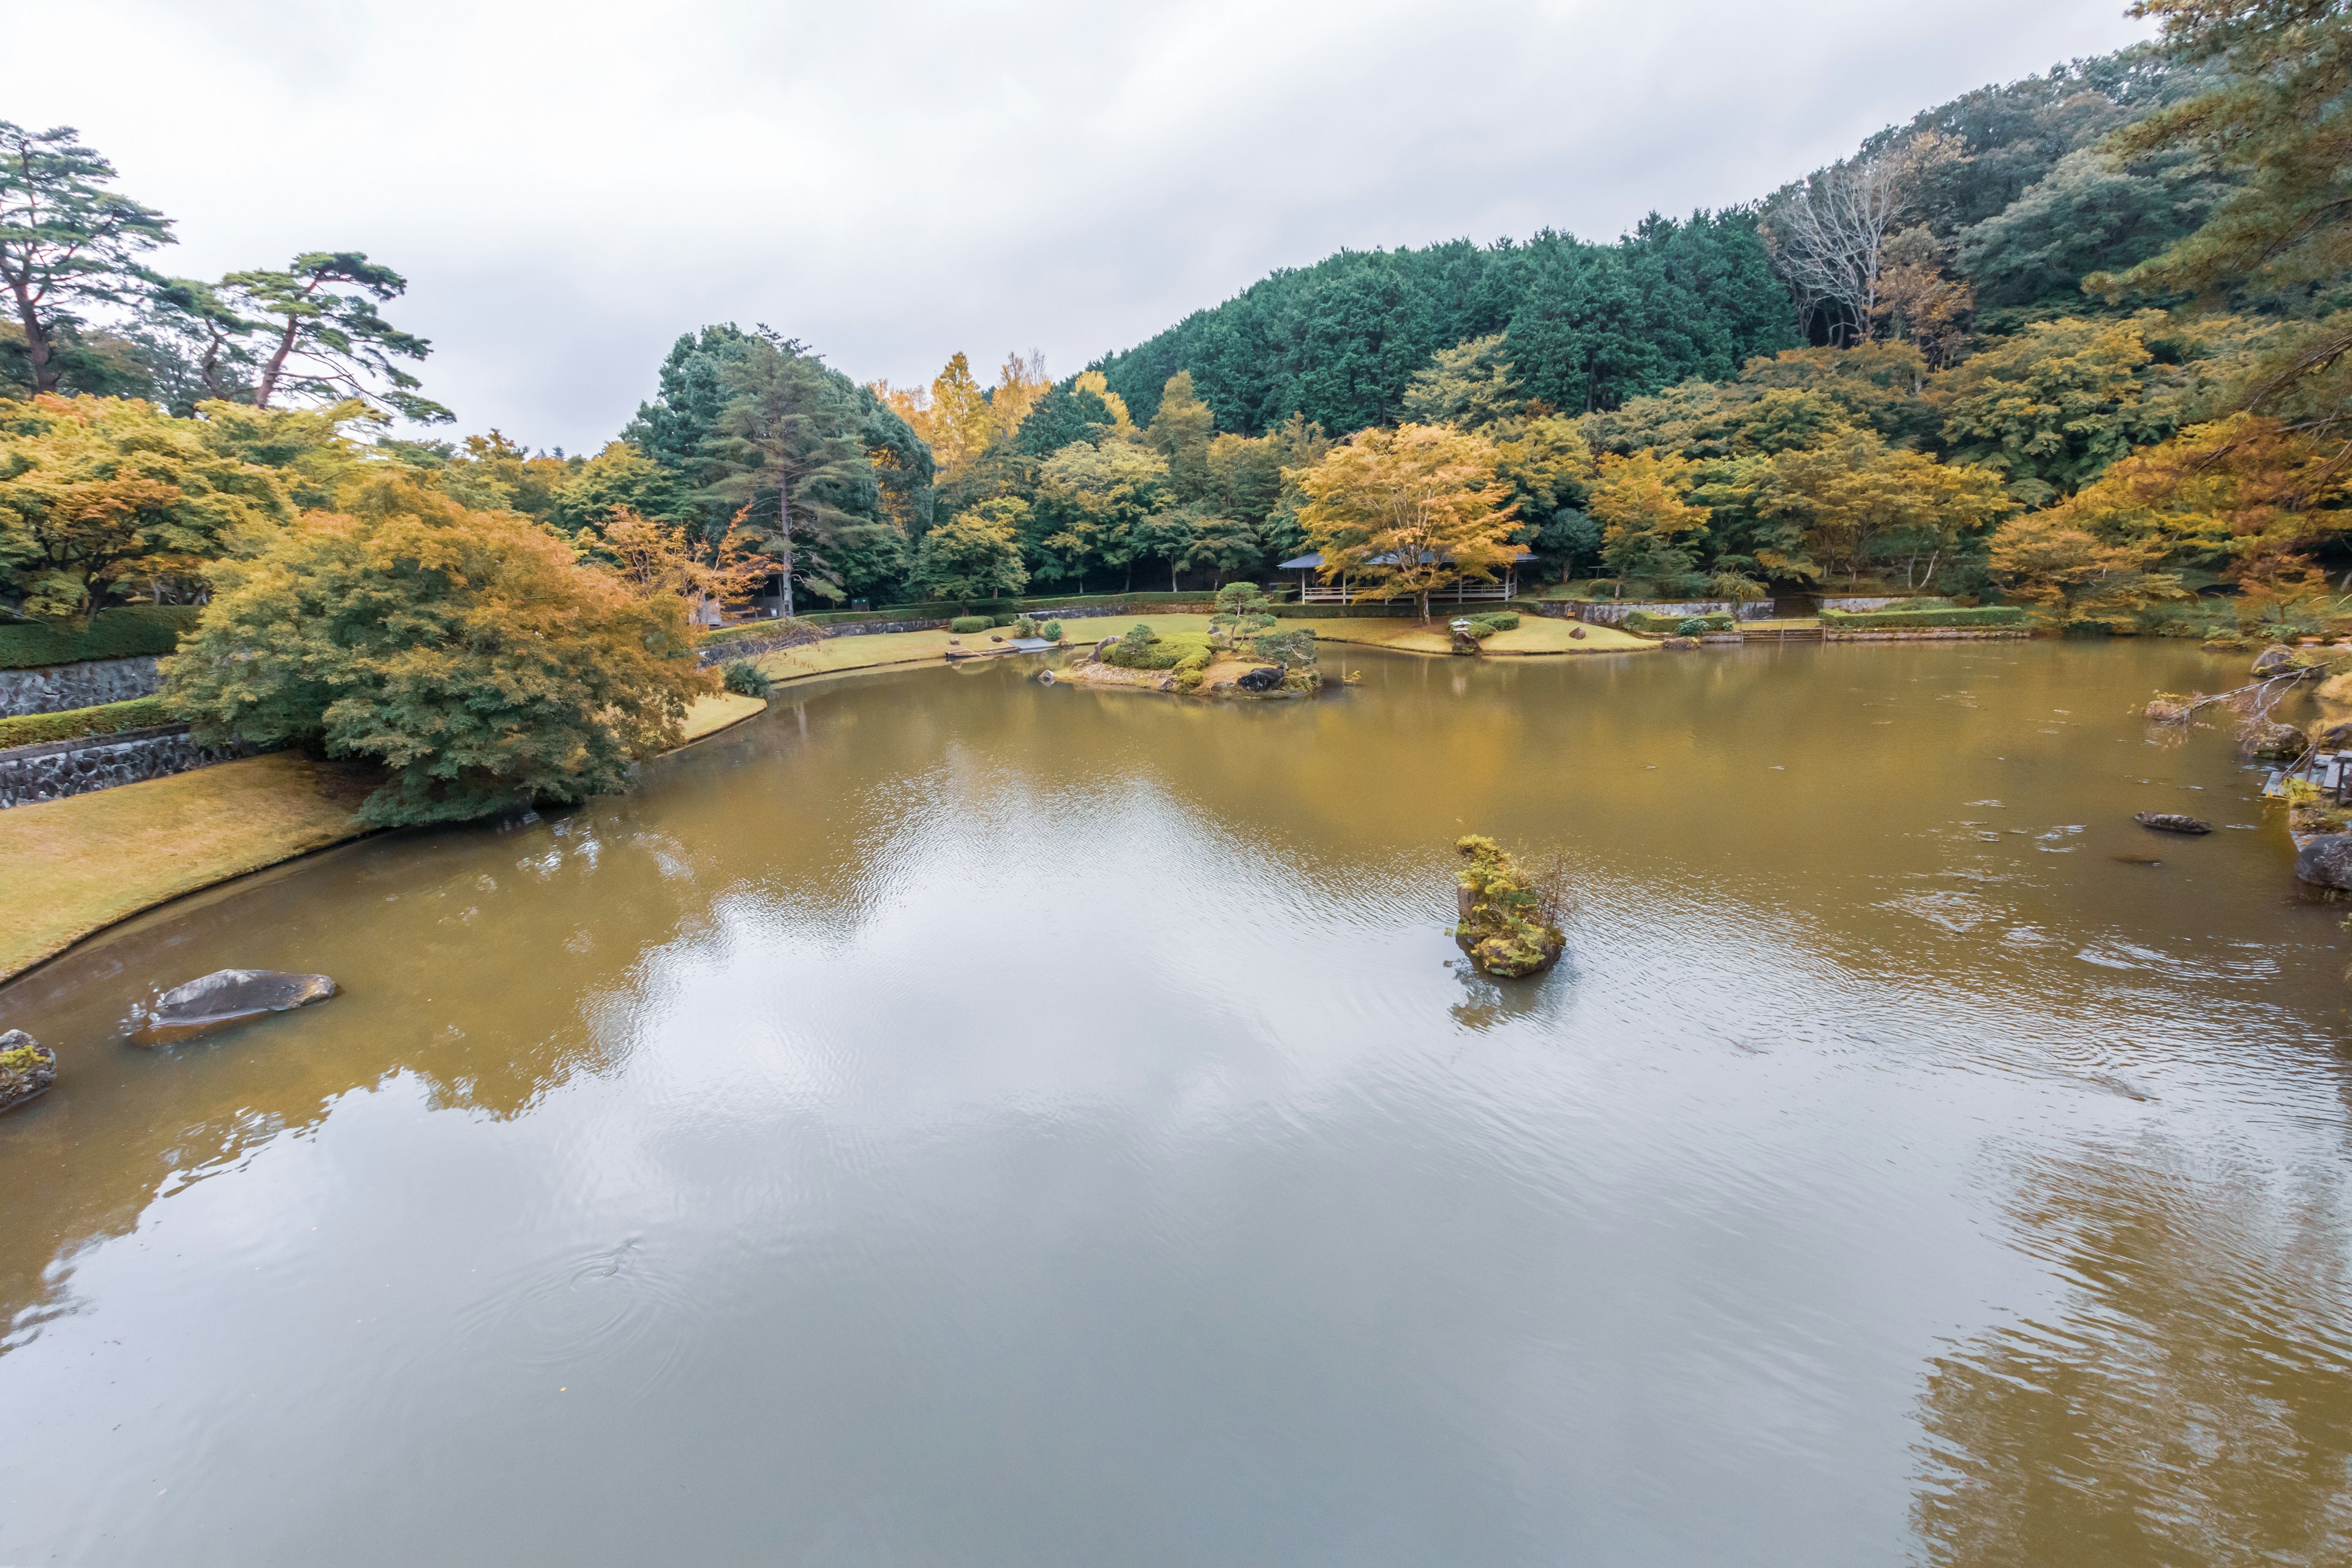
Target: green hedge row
{"x":1650,"y":621}
{"x":948,"y":609}
{"x":1347,"y":612}
{"x":123,"y":633}
{"x":1899,"y":620}
{"x":107,"y":718}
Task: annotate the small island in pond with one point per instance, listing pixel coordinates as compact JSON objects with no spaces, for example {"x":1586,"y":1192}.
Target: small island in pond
{"x":1510,"y":915}
{"x":1241,"y":654}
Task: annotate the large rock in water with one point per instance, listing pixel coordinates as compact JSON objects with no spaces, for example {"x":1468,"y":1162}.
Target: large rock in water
{"x":2267,"y":738}
{"x":228,"y":996}
{"x":28,"y":1068}
{"x":2325,"y":861}
{"x":1266,"y":679}
{"x":2172,"y":822}
{"x":2273,"y":660}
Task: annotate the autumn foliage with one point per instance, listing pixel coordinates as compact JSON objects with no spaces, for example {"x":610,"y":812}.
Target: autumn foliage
{"x":469,"y":653}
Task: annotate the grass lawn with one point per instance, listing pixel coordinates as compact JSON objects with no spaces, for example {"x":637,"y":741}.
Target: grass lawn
{"x":709,"y":715}
{"x":1533,"y":635}
{"x":76,"y":865}
{"x":71,"y":866}
{"x":834,"y":655}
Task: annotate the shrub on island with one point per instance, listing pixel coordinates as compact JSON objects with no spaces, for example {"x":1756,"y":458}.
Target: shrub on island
{"x":1510,"y":915}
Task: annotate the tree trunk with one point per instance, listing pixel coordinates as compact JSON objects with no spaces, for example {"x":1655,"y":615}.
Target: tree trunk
{"x":37,"y":342}
{"x":268,"y":384}
{"x":785,"y":517}
{"x":1171,"y":575}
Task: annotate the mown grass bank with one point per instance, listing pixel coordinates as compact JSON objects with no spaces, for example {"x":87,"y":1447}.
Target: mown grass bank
{"x":1533,"y":635}
{"x":70,"y":867}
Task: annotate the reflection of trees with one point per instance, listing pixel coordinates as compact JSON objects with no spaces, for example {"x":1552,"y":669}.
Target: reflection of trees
{"x":2193,"y":1404}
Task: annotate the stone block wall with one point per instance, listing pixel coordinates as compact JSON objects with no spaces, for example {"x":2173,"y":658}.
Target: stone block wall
{"x":59,"y":688}
{"x":59,"y":768}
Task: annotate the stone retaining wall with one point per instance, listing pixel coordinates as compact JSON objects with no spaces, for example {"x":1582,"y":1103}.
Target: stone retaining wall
{"x":56,"y":769}
{"x":1613,"y":612}
{"x":1930,"y":634}
{"x":58,"y":688}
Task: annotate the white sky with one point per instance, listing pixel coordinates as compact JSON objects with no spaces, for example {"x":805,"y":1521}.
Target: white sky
{"x":568,"y":187}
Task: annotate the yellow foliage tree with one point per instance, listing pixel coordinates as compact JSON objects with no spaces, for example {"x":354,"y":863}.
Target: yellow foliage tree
{"x":1647,"y":528}
{"x":1413,"y":510}
{"x":652,"y":558}
{"x":469,"y":653}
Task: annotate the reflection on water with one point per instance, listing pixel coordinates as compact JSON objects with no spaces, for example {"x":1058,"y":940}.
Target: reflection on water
{"x":954,"y":1119}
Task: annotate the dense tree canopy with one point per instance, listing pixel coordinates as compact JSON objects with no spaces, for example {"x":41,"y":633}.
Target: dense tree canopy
{"x":466,"y":652}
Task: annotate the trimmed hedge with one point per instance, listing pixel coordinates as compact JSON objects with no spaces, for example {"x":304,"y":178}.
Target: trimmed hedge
{"x":1898,"y":620}
{"x":965,"y":626}
{"x":1671,"y":625}
{"x":124,"y":633}
{"x":1347,"y":612}
{"x":107,"y":718}
{"x":938,"y":609}
{"x":778,"y":627}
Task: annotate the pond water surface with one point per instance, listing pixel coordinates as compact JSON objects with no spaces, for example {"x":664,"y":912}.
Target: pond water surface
{"x":954,"y":1121}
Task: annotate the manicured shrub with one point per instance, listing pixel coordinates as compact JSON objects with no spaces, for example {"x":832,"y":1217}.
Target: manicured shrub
{"x":1051,"y":631}
{"x":1694,"y":626}
{"x":1501,"y":620}
{"x":126,"y":632}
{"x":746,"y":679}
{"x":965,"y":626}
{"x":1144,"y":649}
{"x":107,"y":718}
{"x":1293,"y":649}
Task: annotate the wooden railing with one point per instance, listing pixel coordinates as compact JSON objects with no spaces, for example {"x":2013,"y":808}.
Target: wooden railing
{"x":1461,"y":593}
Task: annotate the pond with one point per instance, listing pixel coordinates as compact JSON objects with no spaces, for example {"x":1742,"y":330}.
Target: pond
{"x":951,"y":1120}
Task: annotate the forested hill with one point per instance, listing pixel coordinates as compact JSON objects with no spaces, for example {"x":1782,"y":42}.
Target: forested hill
{"x":1590,"y":325}
{"x":2017,"y":205}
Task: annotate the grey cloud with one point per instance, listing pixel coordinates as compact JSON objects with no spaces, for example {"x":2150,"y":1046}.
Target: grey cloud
{"x":568,"y":186}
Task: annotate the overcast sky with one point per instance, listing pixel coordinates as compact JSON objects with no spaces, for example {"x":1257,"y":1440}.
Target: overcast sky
{"x":568,"y":187}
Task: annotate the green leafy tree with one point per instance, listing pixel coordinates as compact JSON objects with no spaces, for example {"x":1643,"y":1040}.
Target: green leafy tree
{"x":787,"y":450}
{"x":975,"y":554}
{"x":1469,"y":386}
{"x":1181,"y":432}
{"x":467,"y":652}
{"x":2275,"y":122}
{"x":1649,"y":531}
{"x":1064,"y":414}
{"x":620,"y":478}
{"x":109,"y":497}
{"x":309,"y":332}
{"x":2053,"y":406}
{"x":1099,"y":499}
{"x":2089,"y":214}
{"x":1856,"y":500}
{"x":66,"y":240}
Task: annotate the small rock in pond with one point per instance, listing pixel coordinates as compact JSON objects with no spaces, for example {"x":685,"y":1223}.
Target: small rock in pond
{"x":2325,"y":861}
{"x":2273,"y":660}
{"x":1267,"y":678}
{"x":2138,"y":860}
{"x":2172,"y":822}
{"x":228,"y":996}
{"x":28,"y":1068}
